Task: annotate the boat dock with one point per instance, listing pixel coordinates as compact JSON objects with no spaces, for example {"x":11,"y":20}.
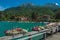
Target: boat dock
{"x":27,"y":34}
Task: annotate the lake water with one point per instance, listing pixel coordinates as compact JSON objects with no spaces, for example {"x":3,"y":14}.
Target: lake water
{"x":5,"y":25}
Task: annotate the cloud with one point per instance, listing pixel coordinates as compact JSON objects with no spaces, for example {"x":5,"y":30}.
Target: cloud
{"x":56,"y":3}
{"x":1,"y":8}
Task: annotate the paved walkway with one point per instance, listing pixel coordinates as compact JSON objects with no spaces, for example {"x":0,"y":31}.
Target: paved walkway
{"x":54,"y":37}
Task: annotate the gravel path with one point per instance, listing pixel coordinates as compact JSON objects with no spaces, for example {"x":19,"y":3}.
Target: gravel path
{"x":54,"y":37}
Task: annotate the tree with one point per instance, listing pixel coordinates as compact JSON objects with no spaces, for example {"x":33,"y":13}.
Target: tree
{"x":57,"y":16}
{"x":12,"y":17}
{"x":33,"y":16}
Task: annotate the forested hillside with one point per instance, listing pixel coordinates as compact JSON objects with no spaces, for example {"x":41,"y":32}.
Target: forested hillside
{"x":29,"y":11}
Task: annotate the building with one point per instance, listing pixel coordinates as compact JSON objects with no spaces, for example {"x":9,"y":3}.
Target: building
{"x":21,"y":18}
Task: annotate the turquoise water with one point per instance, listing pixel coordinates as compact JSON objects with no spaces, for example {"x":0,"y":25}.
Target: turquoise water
{"x":4,"y":25}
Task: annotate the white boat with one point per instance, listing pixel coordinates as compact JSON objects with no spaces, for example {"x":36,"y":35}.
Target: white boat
{"x":52,"y":27}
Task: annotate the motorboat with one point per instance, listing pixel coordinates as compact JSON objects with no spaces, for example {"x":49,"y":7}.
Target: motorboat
{"x":15,"y":31}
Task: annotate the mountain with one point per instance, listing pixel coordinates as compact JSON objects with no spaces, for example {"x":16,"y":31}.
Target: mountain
{"x":52,"y":6}
{"x":28,"y":9}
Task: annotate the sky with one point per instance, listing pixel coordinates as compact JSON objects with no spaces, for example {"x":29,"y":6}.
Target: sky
{"x":13,"y":3}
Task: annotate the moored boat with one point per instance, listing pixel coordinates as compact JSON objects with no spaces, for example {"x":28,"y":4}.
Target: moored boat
{"x":15,"y":31}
